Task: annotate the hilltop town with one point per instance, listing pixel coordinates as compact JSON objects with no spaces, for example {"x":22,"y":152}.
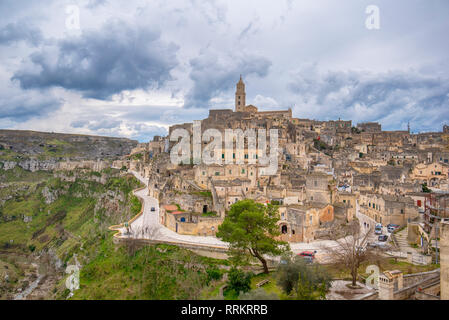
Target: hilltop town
{"x":329,"y":174}
{"x":324,"y":169}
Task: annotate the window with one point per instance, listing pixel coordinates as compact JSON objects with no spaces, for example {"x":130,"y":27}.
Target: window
{"x":243,"y":170}
{"x":217,"y":173}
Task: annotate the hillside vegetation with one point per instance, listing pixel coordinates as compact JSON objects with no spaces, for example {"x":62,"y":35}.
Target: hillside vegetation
{"x":49,"y":221}
{"x":53,"y":217}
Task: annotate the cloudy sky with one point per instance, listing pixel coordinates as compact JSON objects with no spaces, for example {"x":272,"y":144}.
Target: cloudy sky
{"x":133,"y":68}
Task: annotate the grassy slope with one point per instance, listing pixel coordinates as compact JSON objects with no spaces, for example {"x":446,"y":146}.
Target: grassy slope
{"x":71,"y":225}
{"x":62,"y":226}
{"x":152,"y":272}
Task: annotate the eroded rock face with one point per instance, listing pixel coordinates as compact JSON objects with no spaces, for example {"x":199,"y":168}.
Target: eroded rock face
{"x":34,"y":165}
{"x":55,"y":145}
{"x":8,"y":165}
{"x":50,"y":196}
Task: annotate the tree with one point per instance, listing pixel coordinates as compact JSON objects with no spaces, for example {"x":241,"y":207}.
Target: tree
{"x":239,"y":281}
{"x":425,"y":188}
{"x":307,"y":281}
{"x":352,"y":250}
{"x":251,"y":229}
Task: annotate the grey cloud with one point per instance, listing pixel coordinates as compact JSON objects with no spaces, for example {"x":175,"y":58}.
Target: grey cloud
{"x":79,"y":124}
{"x":19,"y":31}
{"x":104,"y":124}
{"x":19,"y":108}
{"x":145,"y":133}
{"x":214,"y":74}
{"x":103,"y":62}
{"x":392,"y":98}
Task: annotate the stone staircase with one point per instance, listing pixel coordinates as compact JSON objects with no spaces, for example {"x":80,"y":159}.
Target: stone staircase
{"x":401,"y":238}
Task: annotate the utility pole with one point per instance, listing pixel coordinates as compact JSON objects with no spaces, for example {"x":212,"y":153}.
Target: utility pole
{"x":436,"y":242}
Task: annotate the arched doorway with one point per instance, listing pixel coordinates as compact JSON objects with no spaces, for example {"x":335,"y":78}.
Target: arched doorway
{"x":284,"y":229}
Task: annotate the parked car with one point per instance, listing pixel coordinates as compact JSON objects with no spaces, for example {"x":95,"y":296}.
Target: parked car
{"x":392,"y":228}
{"x":309,"y":256}
{"x":383,"y":238}
{"x":153,"y":209}
{"x":391,"y":225}
{"x":378,"y":229}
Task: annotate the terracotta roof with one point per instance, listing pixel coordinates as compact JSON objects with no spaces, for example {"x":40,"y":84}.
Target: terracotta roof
{"x":170,"y":207}
{"x":177,"y":212}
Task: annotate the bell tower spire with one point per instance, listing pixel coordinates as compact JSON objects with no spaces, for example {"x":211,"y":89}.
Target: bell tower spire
{"x":240,"y":96}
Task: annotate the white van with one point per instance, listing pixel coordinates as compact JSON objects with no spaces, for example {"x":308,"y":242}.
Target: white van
{"x":378,"y":229}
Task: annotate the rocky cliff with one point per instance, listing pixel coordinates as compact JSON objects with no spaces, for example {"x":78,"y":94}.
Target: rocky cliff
{"x":34,"y":151}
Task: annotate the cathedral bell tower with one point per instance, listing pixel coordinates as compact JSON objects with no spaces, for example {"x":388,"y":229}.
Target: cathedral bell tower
{"x":240,"y":96}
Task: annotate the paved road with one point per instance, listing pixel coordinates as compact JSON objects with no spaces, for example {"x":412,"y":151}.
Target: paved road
{"x":366,"y":223}
{"x":148,"y":226}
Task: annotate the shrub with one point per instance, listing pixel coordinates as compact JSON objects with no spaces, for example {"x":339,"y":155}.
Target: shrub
{"x":239,"y":281}
{"x":308,"y":282}
{"x":213,"y":274}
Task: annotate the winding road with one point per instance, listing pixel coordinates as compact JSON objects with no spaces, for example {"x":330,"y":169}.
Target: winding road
{"x":148,"y":226}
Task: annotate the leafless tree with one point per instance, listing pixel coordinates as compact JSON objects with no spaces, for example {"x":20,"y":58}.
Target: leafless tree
{"x":351,"y":250}
{"x":147,"y":232}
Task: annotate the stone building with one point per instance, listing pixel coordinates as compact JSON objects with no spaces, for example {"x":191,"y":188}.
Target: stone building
{"x":386,"y":209}
{"x":299,"y":223}
{"x":431,"y":173}
{"x":324,"y":168}
{"x":370,"y":127}
{"x":319,"y":187}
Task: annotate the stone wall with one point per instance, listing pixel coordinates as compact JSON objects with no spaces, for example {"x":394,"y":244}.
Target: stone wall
{"x":444,"y":262}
